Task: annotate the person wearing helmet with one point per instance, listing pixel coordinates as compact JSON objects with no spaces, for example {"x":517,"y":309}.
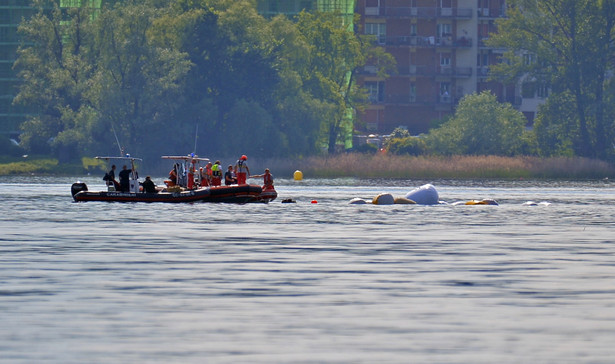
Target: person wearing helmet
{"x":241,"y":170}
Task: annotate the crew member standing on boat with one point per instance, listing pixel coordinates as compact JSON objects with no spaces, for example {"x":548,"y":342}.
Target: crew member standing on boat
{"x":216,"y":174}
{"x":125,"y":179}
{"x":110,"y":178}
{"x":191,"y":173}
{"x":267,"y":179}
{"x":241,"y":170}
{"x":206,"y":175}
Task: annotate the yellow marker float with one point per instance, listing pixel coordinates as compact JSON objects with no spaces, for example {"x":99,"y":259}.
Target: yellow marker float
{"x":482,"y":202}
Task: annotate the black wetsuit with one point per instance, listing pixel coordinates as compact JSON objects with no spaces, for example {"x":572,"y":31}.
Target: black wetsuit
{"x":125,"y":179}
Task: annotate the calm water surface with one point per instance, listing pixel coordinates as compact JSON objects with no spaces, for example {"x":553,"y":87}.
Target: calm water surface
{"x":310,"y":283}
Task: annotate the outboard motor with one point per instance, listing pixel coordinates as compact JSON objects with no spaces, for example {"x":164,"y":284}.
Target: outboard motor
{"x":78,"y":187}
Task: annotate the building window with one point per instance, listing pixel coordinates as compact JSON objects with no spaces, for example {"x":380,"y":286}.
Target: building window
{"x":412,"y":92}
{"x":444,"y":35}
{"x":445,"y":92}
{"x":445,"y":59}
{"x":273,"y":7}
{"x":377,"y":29}
{"x":413,"y":30}
{"x":306,"y":5}
{"x":542,"y":91}
{"x":528,"y":59}
{"x":444,"y":29}
{"x":482,"y":59}
{"x":528,"y":90}
{"x":375,"y":91}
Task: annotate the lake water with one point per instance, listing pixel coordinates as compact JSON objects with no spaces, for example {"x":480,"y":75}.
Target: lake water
{"x":324,"y":282}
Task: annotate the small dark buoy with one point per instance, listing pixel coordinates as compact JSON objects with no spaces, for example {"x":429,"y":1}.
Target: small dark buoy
{"x":289,"y":200}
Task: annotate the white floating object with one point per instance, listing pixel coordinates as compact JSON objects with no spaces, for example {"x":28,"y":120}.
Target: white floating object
{"x":424,"y":195}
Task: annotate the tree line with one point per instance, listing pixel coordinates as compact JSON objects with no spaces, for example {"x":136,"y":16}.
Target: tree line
{"x":166,"y":77}
{"x":151,"y":75}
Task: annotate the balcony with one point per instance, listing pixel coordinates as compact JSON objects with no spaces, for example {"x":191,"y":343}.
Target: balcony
{"x":367,"y":70}
{"x":428,"y":42}
{"x":400,"y":99}
{"x":482,"y":72}
{"x":438,"y":102}
{"x":431,"y":71}
{"x":416,"y":12}
{"x":456,"y":72}
{"x":482,"y":44}
{"x":487,"y":13}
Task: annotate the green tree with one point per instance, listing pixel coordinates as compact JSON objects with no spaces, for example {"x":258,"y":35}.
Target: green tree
{"x":328,"y":71}
{"x":55,"y":65}
{"x":566,"y":45}
{"x":153,"y":71}
{"x":234,"y":64}
{"x":94,"y":73}
{"x":556,"y":126}
{"x":140,"y":79}
{"x":407,"y":145}
{"x":481,"y":126}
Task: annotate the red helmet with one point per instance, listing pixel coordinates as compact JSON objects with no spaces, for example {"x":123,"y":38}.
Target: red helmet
{"x":244,"y":158}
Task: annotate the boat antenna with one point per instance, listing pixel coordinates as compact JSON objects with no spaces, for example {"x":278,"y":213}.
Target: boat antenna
{"x":196,"y":136}
{"x":117,"y":140}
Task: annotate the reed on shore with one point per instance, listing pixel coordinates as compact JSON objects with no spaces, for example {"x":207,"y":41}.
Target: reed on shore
{"x":385,"y":166}
{"x":453,"y":167}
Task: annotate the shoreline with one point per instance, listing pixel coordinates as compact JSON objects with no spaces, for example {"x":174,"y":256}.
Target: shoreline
{"x":381,"y":166}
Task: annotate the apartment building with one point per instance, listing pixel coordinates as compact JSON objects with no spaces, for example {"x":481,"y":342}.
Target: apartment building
{"x":441,"y":56}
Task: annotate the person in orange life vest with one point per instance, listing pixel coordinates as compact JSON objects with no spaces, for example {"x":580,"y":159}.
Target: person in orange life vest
{"x":216,"y":174}
{"x":191,"y":173}
{"x":267,"y":179}
{"x":173,"y":177}
{"x":208,"y":173}
{"x":241,"y":170}
{"x":202,"y":181}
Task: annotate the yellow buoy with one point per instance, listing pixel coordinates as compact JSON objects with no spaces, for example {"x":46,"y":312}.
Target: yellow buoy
{"x":298,"y":175}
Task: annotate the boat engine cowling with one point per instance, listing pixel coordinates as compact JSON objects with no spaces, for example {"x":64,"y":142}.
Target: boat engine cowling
{"x":78,"y":187}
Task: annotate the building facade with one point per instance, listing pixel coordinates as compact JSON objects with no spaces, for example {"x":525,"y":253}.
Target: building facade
{"x":441,"y":55}
{"x":294,"y":7}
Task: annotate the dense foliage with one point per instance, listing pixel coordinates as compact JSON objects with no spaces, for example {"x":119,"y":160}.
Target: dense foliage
{"x":481,"y":126}
{"x":567,"y":47}
{"x":153,"y":75}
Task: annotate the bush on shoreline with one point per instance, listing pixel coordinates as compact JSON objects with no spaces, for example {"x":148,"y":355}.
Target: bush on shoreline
{"x":380,"y":166}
